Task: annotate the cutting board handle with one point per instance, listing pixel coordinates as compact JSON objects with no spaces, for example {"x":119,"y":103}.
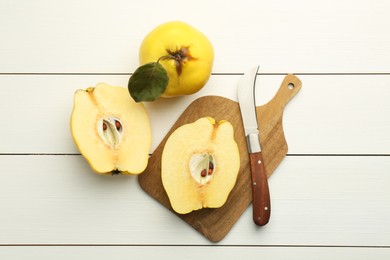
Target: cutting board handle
{"x":288,"y":89}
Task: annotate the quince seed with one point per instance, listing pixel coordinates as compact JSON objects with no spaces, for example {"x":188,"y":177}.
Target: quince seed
{"x":201,"y":169}
{"x":110,"y":130}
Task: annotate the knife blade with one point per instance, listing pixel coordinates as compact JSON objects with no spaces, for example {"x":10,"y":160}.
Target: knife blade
{"x":260,"y":190}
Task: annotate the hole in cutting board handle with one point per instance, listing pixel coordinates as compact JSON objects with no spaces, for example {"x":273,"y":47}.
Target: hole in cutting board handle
{"x":290,"y":86}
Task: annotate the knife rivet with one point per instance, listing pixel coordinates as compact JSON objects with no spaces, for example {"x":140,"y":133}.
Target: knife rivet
{"x":254,"y":183}
{"x":258,"y":218}
{"x":259,"y":162}
{"x":265,"y":208}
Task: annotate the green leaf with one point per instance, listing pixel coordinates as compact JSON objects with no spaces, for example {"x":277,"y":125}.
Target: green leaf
{"x":148,"y":82}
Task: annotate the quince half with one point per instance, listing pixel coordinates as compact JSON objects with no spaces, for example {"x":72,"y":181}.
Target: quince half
{"x":200,"y":165}
{"x":111,"y":130}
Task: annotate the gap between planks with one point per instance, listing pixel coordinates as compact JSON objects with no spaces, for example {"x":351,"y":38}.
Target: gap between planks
{"x":213,"y":74}
{"x":291,"y":155}
{"x":191,"y":245}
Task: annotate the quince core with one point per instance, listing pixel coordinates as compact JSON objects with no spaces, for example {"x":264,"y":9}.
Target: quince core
{"x":200,"y":165}
{"x":111,"y":130}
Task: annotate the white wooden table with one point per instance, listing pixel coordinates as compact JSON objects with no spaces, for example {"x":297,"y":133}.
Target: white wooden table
{"x":330,"y":195}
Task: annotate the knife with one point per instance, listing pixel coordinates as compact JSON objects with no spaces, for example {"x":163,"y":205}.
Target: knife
{"x":260,"y":191}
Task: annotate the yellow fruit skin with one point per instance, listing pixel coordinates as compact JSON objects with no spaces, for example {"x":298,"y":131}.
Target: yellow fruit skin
{"x":173,"y":36}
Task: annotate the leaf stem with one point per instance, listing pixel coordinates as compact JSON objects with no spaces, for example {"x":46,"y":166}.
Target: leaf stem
{"x":166,"y":57}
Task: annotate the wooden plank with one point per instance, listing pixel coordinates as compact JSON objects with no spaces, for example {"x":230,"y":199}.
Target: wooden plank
{"x":94,"y":36}
{"x":191,"y":253}
{"x":330,"y":200}
{"x":344,"y":114}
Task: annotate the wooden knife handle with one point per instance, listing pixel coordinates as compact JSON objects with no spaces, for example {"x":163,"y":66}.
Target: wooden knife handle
{"x":260,"y":190}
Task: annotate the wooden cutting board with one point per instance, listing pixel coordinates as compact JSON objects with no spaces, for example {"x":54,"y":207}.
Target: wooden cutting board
{"x":214,"y":224}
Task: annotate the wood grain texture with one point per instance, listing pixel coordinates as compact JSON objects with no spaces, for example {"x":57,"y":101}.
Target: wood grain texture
{"x":296,"y":36}
{"x":188,"y":252}
{"x":54,"y":199}
{"x":261,"y":201}
{"x":214,"y":224}
{"x":326,"y":119}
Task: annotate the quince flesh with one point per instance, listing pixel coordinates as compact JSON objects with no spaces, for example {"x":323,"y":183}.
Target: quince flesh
{"x":200,"y":164}
{"x":191,"y":56}
{"x":111,"y":130}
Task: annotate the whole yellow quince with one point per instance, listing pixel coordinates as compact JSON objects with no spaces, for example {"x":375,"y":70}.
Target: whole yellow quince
{"x":185,"y":53}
